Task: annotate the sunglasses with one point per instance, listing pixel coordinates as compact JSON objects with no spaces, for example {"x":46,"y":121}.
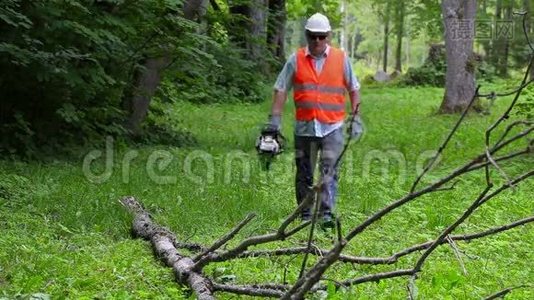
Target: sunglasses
{"x":314,"y":37}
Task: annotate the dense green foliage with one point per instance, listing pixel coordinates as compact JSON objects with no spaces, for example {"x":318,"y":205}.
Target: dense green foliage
{"x":432,"y":72}
{"x":69,"y":67}
{"x":68,"y":237}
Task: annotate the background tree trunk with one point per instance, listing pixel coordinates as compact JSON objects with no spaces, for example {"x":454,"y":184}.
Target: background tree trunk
{"x":386,"y":36}
{"x":258,"y":31}
{"x":497,"y":41}
{"x":147,"y":80}
{"x":248,"y":27}
{"x":528,"y":9}
{"x":343,"y":35}
{"x":276,"y":29}
{"x":460,"y":77}
{"x":503,"y":66}
{"x":400,"y":32}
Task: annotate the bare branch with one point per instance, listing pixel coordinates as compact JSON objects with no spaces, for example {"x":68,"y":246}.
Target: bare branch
{"x":251,"y":290}
{"x":510,"y":127}
{"x":457,"y":253}
{"x":506,"y":114}
{"x":317,"y":203}
{"x":223,"y":240}
{"x":378,"y":276}
{"x":482,"y":198}
{"x":245,"y":244}
{"x":305,"y":283}
{"x":502,"y":293}
{"x":494,"y":163}
{"x":472,"y":236}
{"x":525,"y":31}
{"x":318,"y":252}
{"x":449,"y":229}
{"x":493,"y":94}
{"x":444,"y":144}
{"x":500,"y":158}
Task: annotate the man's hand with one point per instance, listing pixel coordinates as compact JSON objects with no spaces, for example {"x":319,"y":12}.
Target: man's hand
{"x":355,"y":128}
{"x":273,"y":124}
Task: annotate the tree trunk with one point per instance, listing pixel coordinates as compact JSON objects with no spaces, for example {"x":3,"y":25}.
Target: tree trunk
{"x":276,"y":29}
{"x":400,"y":33}
{"x":460,"y":77}
{"x":343,"y":36}
{"x":528,"y":10}
{"x":503,"y":68}
{"x":147,"y":81}
{"x":146,"y":84}
{"x":386,"y":36}
{"x":258,"y":30}
{"x":240,"y":24}
{"x":496,"y":41}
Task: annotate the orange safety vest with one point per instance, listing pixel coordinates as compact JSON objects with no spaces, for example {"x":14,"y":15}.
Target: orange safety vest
{"x":322,"y":96}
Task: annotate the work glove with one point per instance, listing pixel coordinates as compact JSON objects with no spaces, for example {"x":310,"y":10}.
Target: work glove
{"x":355,"y":128}
{"x":273,"y":124}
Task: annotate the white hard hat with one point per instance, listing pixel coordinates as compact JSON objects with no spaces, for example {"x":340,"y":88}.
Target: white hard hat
{"x":318,"y":23}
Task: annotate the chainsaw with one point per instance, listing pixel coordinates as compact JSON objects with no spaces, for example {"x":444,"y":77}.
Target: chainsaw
{"x":269,"y":144}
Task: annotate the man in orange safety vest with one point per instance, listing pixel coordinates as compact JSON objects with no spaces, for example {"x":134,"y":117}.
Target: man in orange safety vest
{"x":320,"y":75}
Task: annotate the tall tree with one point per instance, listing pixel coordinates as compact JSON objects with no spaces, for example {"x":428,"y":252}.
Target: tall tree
{"x":400,"y":14}
{"x":386,"y":35}
{"x":528,"y":9}
{"x":276,"y":29}
{"x":147,"y":80}
{"x":258,"y":30}
{"x":503,"y":67}
{"x":458,"y":18}
{"x":248,"y":26}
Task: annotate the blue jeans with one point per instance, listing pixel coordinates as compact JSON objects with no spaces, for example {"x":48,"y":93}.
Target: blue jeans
{"x":306,"y":151}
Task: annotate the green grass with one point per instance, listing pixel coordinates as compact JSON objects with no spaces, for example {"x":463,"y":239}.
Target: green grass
{"x":68,"y":237}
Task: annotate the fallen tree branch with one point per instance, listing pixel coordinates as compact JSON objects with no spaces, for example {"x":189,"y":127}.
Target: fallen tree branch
{"x":163,"y":243}
{"x":502,"y":293}
{"x":219,"y":243}
{"x":251,"y":290}
{"x":378,"y":276}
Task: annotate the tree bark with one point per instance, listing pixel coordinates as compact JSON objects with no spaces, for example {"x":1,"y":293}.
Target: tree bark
{"x":503,"y":67}
{"x":460,"y":75}
{"x":344,"y":20}
{"x":496,"y":41}
{"x":276,"y":29}
{"x":386,"y":36}
{"x":400,"y":33}
{"x":258,"y":31}
{"x":528,"y":9}
{"x":146,"y":85}
{"x":148,"y":80}
{"x":248,"y":27}
{"x":163,"y":243}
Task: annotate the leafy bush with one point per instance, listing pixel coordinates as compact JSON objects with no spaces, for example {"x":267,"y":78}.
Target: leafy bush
{"x":432,"y":72}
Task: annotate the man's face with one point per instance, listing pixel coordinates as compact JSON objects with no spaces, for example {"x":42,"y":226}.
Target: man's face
{"x":317,"y":42}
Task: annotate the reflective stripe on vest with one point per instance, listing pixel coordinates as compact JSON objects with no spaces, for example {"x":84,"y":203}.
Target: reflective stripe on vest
{"x":322,"y":89}
{"x":309,"y":104}
{"x":320,"y":96}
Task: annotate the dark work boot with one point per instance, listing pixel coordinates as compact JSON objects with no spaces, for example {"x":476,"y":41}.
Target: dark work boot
{"x":328,"y":221}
